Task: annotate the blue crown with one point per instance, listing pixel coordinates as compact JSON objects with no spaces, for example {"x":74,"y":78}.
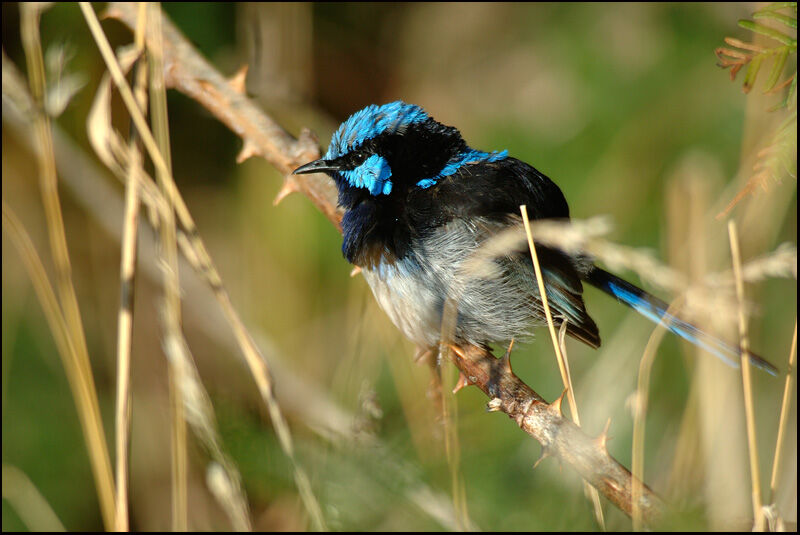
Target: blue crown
{"x":370,"y":122}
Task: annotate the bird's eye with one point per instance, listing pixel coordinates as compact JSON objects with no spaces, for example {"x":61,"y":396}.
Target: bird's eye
{"x":359,"y":157}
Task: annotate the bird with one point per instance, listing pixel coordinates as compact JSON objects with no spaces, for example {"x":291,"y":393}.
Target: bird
{"x":418,"y":201}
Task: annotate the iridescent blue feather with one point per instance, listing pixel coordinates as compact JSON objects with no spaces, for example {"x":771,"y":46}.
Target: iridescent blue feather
{"x":371,"y":122}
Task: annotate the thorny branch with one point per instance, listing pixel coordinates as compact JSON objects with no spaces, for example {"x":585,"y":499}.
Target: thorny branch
{"x":186,"y":71}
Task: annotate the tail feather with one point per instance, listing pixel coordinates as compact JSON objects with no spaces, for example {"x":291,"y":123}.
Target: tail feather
{"x":655,"y":310}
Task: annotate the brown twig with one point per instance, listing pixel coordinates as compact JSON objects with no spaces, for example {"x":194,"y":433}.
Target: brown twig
{"x":187,"y":72}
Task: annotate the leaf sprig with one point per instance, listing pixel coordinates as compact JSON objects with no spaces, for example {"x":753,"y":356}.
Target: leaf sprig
{"x":739,"y":54}
{"x":779,"y":158}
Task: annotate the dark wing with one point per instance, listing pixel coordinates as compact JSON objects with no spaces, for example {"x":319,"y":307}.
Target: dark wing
{"x":495,"y":191}
{"x":565,"y":294}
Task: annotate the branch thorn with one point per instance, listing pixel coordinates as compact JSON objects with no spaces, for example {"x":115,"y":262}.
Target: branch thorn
{"x":462,"y":382}
{"x":602,"y":438}
{"x":507,"y":357}
{"x":556,"y":405}
{"x":288,"y":187}
{"x":238,"y":80}
{"x":545,"y":454}
{"x":248,"y":151}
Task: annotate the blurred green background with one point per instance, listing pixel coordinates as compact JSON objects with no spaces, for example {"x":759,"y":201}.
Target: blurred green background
{"x":621,"y":104}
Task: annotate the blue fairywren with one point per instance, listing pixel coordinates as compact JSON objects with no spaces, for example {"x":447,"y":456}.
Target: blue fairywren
{"x":418,"y":202}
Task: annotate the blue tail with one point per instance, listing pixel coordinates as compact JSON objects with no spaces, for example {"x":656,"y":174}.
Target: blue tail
{"x":655,"y":310}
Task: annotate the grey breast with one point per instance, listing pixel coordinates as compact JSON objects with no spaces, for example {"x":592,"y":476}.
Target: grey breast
{"x":493,"y":305}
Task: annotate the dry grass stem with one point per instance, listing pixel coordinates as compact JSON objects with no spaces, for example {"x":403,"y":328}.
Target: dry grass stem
{"x":778,"y":264}
{"x":228,"y":495}
{"x":788,"y":388}
{"x":749,"y":409}
{"x":563,"y":365}
{"x":199,"y":413}
{"x":640,"y":415}
{"x":449,"y":410}
{"x":117,"y":156}
{"x":98,"y":449}
{"x":82,"y":389}
{"x":171,"y":319}
{"x":588,"y":490}
{"x":125,"y":316}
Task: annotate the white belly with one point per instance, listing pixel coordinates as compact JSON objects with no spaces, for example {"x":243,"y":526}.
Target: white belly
{"x":413,"y":290}
{"x":405,"y":292}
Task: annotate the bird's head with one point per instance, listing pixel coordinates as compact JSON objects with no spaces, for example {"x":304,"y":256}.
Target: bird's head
{"x":383,"y":151}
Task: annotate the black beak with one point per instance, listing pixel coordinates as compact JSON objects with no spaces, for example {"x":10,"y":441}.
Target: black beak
{"x":317,"y":166}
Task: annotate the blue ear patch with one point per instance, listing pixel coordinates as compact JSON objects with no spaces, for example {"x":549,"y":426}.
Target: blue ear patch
{"x":373,"y":175}
{"x":370,"y":122}
{"x":467,"y":157}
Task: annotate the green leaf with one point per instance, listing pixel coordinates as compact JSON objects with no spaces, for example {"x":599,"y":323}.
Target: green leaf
{"x":792,"y":91}
{"x":752,"y":73}
{"x":780,"y":17}
{"x":769,"y":32}
{"x":787,"y":102}
{"x":777,"y":70}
